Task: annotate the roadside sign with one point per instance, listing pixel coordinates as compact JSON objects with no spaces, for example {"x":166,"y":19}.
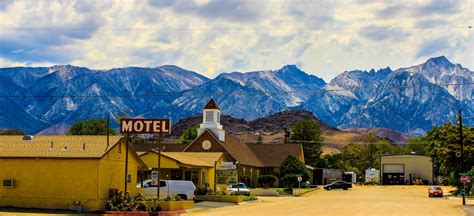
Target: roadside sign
{"x":227,"y":165}
{"x":145,"y":126}
{"x":154,"y":177}
{"x":465,"y":179}
{"x":300,"y":178}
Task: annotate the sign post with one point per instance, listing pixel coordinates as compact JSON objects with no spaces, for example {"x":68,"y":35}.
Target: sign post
{"x":299,"y":181}
{"x":146,"y":126}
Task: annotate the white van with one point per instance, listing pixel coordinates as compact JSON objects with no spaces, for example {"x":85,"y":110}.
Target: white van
{"x":170,"y":189}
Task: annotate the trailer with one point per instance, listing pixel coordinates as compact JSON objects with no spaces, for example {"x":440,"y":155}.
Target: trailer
{"x":372,"y":176}
{"x":350,"y":177}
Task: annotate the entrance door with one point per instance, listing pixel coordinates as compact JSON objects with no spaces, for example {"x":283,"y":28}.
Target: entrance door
{"x":192,"y":176}
{"x":393,"y":179}
{"x":176,"y":175}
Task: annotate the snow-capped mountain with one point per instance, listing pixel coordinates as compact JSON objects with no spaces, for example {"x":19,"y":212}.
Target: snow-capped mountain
{"x":358,"y":98}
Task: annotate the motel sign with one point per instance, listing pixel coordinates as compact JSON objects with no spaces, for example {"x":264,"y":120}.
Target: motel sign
{"x":145,"y":126}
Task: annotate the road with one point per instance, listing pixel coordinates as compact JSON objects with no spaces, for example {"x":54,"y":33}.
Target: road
{"x":361,"y":200}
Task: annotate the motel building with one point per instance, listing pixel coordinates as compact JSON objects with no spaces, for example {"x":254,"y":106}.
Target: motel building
{"x":65,"y":172}
{"x":202,"y":160}
{"x":80,"y":172}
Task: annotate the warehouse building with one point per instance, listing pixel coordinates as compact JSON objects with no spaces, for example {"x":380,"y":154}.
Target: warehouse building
{"x":406,"y":169}
{"x":65,"y":172}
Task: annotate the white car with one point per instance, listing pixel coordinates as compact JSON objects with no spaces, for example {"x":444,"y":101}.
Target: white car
{"x":170,"y":189}
{"x":243,"y":189}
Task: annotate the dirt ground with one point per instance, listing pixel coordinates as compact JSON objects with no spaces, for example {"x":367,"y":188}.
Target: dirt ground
{"x":361,"y":200}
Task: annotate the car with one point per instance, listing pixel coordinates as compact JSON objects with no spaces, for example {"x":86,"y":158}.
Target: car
{"x":338,"y":185}
{"x":169,"y":189}
{"x":243,"y":189}
{"x":435,"y":191}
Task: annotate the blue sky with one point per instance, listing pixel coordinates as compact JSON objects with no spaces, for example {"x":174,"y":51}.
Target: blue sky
{"x":323,"y":38}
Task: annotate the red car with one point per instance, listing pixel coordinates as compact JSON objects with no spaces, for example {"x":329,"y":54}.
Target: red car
{"x":435,"y":191}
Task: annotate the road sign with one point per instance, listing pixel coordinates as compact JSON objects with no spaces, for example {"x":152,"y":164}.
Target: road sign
{"x":465,"y":179}
{"x":154,"y":177}
{"x":300,"y":178}
{"x":145,"y":126}
{"x":227,"y":165}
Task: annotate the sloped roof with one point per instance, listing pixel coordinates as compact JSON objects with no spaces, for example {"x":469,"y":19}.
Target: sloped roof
{"x":211,"y":105}
{"x":241,"y":151}
{"x":272,"y":155}
{"x":200,"y":159}
{"x":63,"y":146}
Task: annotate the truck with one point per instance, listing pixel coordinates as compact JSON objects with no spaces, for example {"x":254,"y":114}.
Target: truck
{"x":350,"y":177}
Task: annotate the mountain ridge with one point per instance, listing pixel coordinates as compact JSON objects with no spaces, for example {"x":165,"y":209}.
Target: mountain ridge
{"x":358,"y":98}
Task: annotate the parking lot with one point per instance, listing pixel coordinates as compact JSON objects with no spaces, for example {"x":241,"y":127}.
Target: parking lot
{"x":361,"y":200}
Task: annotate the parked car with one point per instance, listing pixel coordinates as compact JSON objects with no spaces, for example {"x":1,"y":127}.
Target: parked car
{"x":338,"y":185}
{"x":170,"y":189}
{"x":435,"y":191}
{"x":243,"y":189}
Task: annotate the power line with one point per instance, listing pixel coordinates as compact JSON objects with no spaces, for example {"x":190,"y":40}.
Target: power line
{"x":189,"y":94}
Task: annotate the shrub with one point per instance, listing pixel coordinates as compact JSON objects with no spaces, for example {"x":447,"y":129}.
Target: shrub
{"x":125,"y":202}
{"x":291,"y":180}
{"x":250,"y":198}
{"x":266,"y":180}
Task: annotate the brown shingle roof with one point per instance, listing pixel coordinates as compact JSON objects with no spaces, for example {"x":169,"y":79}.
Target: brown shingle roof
{"x":63,"y":146}
{"x":272,"y":155}
{"x":241,"y":151}
{"x":211,"y":105}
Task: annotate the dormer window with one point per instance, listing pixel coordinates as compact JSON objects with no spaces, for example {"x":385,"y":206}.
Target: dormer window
{"x":209,"y":116}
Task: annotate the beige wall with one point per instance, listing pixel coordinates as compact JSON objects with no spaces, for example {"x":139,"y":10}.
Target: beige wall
{"x":413,"y":164}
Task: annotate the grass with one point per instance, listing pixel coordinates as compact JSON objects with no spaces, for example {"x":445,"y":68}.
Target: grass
{"x":250,"y":198}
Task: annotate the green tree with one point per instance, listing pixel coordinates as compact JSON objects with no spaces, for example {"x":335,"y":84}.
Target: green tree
{"x":370,"y":150}
{"x":292,"y":167}
{"x":444,"y":147}
{"x":12,"y":132}
{"x":188,"y":135}
{"x":266,"y":180}
{"x":308,"y":133}
{"x":90,"y":127}
{"x":417,"y":145}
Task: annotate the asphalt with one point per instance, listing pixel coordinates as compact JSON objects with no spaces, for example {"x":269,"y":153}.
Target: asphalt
{"x":361,"y":200}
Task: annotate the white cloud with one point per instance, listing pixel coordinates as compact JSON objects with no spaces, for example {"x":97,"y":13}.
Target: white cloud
{"x":323,"y":37}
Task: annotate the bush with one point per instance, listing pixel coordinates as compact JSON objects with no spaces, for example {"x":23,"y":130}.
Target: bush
{"x":266,"y":180}
{"x":291,"y":180}
{"x":125,"y":202}
{"x":250,"y":198}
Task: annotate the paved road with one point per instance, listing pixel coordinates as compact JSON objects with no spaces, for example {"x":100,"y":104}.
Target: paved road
{"x":361,"y":200}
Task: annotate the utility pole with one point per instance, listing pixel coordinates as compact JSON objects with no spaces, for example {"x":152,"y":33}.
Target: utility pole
{"x":462,"y":157}
{"x":159,"y":168}
{"x":126,"y":165}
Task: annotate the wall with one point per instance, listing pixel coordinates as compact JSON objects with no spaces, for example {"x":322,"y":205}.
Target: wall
{"x":49,"y":183}
{"x":414,"y":164}
{"x":111,"y":172}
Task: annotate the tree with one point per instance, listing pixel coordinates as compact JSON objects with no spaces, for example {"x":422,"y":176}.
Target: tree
{"x":266,"y":180}
{"x":370,"y":149}
{"x":308,"y":133}
{"x":12,"y":132}
{"x":90,"y":127}
{"x":292,"y":167}
{"x":417,"y":145}
{"x":188,"y":135}
{"x":444,"y":147}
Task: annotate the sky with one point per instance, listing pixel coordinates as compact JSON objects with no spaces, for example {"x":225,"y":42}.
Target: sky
{"x":322,"y":37}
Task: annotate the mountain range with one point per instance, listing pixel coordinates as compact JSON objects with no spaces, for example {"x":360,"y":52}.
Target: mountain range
{"x":411,"y":100}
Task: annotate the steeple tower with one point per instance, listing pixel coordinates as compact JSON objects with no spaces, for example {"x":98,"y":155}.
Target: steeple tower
{"x":211,"y":120}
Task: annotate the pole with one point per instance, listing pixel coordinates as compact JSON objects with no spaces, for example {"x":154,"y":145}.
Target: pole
{"x":238,"y":180}
{"x":159,"y":167}
{"x":215,"y":176}
{"x":126,"y":164}
{"x":462,"y":157}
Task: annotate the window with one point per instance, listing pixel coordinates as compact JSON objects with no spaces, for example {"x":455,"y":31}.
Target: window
{"x":9,"y":183}
{"x":209,"y":116}
{"x":162,"y":184}
{"x":218,"y":118}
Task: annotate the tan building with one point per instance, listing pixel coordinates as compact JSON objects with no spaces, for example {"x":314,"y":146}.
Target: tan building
{"x":404,"y":168}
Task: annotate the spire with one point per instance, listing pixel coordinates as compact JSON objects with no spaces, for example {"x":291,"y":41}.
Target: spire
{"x":211,"y":105}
